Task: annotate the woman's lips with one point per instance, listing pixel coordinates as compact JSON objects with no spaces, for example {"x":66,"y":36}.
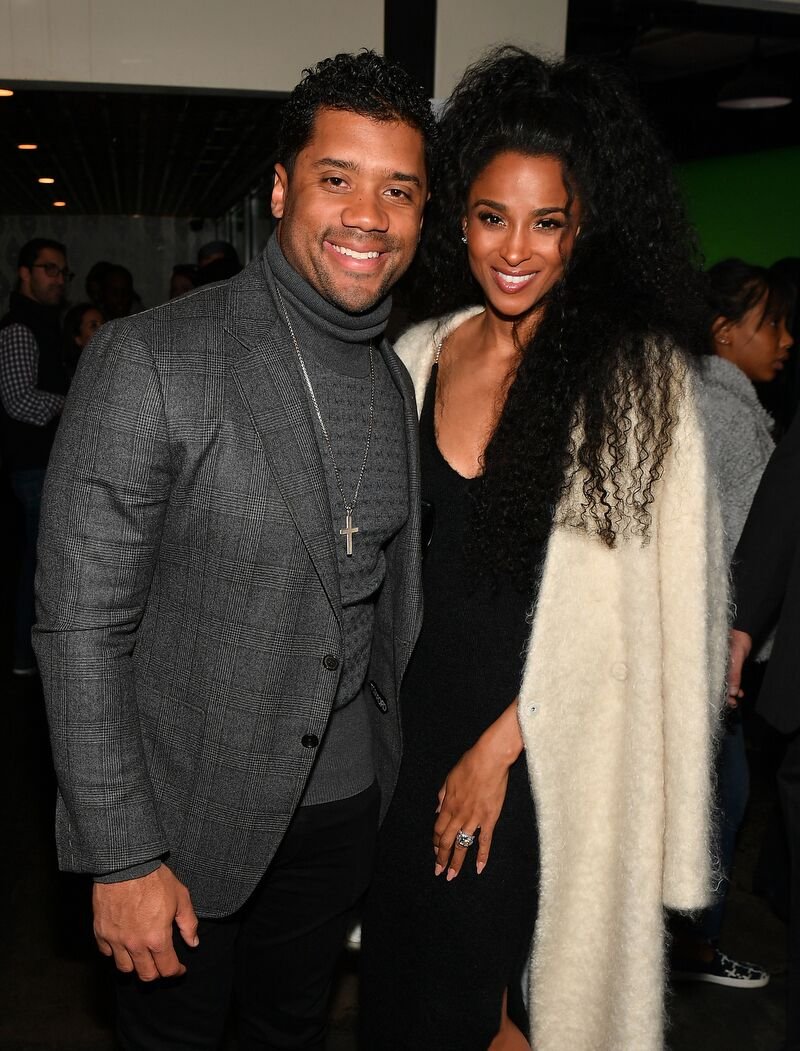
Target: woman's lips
{"x":511,"y":284}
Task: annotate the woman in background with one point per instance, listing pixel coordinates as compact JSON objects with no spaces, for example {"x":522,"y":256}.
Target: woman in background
{"x":748,"y":342}
{"x":565,"y":679}
{"x":80,"y":324}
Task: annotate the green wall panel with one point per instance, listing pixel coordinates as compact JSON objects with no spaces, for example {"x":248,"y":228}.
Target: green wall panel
{"x":746,"y":206}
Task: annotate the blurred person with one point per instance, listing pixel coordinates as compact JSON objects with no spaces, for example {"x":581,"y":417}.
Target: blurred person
{"x":183,"y":279}
{"x":766,"y":573}
{"x":217,"y":261}
{"x":94,"y":281}
{"x":118,"y":298}
{"x":229,"y":590}
{"x":33,"y":383}
{"x":80,"y":324}
{"x":789,"y":270}
{"x":559,"y":709}
{"x":748,"y":343}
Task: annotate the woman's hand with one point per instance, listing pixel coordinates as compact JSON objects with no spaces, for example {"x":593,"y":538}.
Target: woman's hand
{"x":473,"y":794}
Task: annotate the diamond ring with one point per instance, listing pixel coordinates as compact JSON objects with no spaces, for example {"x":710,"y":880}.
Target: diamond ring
{"x":464,"y":839}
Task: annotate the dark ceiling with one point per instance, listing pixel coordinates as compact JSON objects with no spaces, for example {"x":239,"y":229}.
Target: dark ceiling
{"x":195,"y":155}
{"x":680,"y":53}
{"x":129,"y":153}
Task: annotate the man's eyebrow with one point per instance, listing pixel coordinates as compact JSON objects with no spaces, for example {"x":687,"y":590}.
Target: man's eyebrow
{"x":335,"y":162}
{"x":405,"y":177}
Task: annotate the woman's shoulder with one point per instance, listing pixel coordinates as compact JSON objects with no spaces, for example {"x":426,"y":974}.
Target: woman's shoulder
{"x":430,"y":334}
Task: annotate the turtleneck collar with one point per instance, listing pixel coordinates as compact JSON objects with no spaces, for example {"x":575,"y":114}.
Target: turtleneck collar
{"x":317,"y":312}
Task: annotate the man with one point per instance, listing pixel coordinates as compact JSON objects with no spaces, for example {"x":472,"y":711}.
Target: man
{"x":32,"y":388}
{"x":216,"y":261}
{"x":766,"y":570}
{"x":229,"y":589}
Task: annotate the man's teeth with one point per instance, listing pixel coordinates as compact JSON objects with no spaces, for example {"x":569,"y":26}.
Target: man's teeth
{"x":352,"y":252}
{"x":516,"y":279}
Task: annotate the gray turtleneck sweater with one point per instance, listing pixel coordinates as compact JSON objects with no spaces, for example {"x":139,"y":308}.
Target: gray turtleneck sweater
{"x":335,"y":348}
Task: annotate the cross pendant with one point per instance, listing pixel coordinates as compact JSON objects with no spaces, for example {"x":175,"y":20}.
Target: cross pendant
{"x":348,"y":531}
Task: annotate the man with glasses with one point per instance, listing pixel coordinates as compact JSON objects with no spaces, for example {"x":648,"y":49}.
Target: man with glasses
{"x":32,"y":388}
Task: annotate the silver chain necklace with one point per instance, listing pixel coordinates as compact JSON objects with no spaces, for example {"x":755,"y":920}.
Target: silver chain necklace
{"x":349,"y":529}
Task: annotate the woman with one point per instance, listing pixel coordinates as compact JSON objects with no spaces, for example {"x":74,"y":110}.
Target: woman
{"x":570,"y":569}
{"x":80,"y":324}
{"x":748,"y":342}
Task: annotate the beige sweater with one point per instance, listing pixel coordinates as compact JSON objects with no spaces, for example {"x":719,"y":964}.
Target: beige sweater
{"x":623,"y":682}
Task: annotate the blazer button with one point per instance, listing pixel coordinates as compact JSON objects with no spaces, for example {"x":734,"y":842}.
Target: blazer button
{"x":309,"y":740}
{"x":330,"y":662}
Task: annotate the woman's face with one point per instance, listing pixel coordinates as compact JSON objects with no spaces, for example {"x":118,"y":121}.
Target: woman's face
{"x":90,"y":322}
{"x":758,"y":345}
{"x":520,"y":227}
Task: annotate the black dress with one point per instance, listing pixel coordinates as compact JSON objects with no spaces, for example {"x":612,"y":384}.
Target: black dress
{"x":437,"y":956}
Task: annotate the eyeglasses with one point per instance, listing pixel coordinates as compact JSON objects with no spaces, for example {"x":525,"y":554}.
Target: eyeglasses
{"x":52,"y":270}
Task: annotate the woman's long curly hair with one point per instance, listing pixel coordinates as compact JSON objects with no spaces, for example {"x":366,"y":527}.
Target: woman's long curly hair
{"x":591,"y":396}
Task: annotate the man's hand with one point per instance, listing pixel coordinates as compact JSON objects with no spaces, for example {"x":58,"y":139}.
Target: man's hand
{"x":740,"y":645}
{"x":133,"y":923}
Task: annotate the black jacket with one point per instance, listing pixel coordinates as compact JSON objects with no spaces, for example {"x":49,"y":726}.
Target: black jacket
{"x":766,"y":570}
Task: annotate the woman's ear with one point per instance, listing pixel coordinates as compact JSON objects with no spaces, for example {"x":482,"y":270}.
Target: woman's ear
{"x":721,"y":330}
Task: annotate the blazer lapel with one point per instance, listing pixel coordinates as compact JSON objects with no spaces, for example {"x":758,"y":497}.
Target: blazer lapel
{"x":265,"y":372}
{"x":407,"y":568}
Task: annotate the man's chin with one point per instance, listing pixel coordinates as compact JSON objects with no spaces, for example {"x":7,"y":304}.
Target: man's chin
{"x":355,"y":301}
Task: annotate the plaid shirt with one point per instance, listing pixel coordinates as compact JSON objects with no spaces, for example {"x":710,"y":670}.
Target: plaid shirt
{"x":19,"y":367}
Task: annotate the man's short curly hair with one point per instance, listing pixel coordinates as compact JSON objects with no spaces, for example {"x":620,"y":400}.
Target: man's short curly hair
{"x":364,"y":83}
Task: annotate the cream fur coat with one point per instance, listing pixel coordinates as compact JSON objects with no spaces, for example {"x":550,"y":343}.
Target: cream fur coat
{"x":623,"y":682}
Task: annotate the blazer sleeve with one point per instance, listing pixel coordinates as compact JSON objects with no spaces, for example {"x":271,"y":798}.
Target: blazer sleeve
{"x":694,"y":613}
{"x":106,"y":492}
{"x":769,"y":543}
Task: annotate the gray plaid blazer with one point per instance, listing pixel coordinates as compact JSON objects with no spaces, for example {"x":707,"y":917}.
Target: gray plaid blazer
{"x":188,"y":595}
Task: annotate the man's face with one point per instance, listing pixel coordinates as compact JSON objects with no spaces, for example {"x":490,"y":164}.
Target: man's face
{"x":351,"y":211}
{"x":36,"y":283}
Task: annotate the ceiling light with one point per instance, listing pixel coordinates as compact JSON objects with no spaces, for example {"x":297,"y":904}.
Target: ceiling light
{"x":755,"y":88}
{"x":27,"y":146}
{"x":6,"y":93}
{"x":59,"y":204}
{"x":46,"y":181}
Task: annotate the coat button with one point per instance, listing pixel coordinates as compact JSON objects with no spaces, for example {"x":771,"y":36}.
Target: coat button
{"x":330,"y":662}
{"x":620,"y":671}
{"x":309,"y":740}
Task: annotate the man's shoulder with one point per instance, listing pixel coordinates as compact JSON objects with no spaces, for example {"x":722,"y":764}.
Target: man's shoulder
{"x":199,"y":316}
{"x":17,"y":336}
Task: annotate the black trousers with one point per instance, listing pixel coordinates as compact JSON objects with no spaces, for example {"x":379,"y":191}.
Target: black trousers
{"x":275,"y":957}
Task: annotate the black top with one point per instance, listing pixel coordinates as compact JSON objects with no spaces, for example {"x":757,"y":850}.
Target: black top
{"x":437,"y":956}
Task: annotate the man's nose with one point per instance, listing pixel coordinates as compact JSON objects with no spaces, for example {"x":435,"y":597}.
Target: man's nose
{"x":366,"y":211}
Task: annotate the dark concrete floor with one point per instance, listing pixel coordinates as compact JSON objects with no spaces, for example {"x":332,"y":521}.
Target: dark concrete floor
{"x":54,"y":992}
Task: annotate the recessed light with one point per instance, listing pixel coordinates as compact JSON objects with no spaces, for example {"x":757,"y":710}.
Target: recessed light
{"x":46,"y":181}
{"x":6,"y":93}
{"x":59,"y":204}
{"x":27,"y":146}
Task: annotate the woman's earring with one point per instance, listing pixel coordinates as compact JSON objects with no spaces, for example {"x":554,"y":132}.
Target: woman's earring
{"x":464,"y":238}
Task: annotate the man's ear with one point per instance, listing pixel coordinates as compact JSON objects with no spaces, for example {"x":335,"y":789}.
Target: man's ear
{"x":280,"y":188}
{"x":721,"y":329}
